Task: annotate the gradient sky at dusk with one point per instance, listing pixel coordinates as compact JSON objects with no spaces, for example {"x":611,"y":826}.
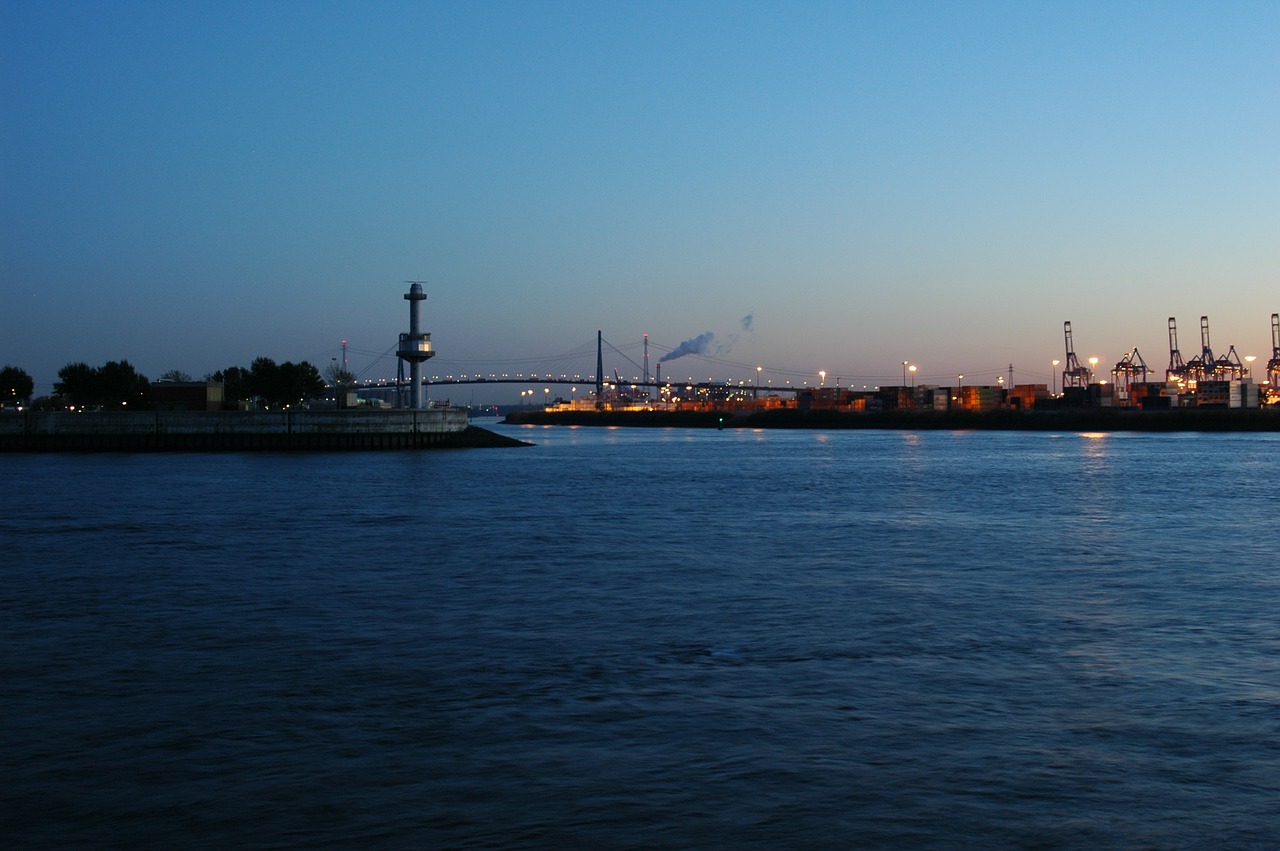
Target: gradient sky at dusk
{"x":837,"y":186}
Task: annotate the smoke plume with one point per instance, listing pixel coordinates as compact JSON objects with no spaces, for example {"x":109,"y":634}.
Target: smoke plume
{"x":697,"y":346}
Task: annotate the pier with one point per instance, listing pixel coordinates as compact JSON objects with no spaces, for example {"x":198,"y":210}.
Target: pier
{"x":152,"y":431}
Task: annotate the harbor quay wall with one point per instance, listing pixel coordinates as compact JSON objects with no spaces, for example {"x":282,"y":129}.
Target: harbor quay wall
{"x":141,"y":431}
{"x":1080,"y":419}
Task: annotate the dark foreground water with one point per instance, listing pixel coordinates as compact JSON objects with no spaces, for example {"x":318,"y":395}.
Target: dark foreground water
{"x":627,"y":638}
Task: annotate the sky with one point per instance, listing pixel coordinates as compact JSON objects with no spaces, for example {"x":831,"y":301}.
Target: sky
{"x":818,"y":186}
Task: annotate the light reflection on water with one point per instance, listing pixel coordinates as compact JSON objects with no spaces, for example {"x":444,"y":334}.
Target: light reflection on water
{"x":625,"y":638}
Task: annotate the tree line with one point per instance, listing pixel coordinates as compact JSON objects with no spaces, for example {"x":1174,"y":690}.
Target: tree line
{"x":118,"y":386}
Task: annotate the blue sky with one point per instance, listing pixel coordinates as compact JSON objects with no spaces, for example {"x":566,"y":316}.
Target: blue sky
{"x":838,"y":186}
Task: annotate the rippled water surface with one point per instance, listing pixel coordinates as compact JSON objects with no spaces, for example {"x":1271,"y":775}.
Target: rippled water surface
{"x":633,"y":638}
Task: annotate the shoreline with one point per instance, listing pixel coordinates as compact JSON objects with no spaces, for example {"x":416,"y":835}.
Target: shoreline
{"x":1099,"y":419}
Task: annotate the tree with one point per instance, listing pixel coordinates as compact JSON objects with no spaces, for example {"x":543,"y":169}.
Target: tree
{"x":263,"y":381}
{"x":176,"y":375}
{"x":122,"y":387}
{"x":285,"y":384}
{"x":115,"y":385}
{"x":77,"y":384}
{"x":339,"y":377}
{"x":15,"y":385}
{"x":235,"y":383}
{"x":300,"y":382}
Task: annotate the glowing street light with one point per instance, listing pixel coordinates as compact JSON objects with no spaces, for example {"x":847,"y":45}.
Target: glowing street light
{"x":904,"y":373}
{"x":759,"y":369}
{"x":1249,"y":359}
{"x":822,"y":373}
{"x":913,"y":374}
{"x":1053,"y":376}
{"x":1093,"y":365}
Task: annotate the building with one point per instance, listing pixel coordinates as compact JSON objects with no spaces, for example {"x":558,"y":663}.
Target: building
{"x":187,"y":395}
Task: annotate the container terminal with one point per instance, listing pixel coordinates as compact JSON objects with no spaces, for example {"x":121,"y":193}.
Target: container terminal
{"x":1204,"y":381}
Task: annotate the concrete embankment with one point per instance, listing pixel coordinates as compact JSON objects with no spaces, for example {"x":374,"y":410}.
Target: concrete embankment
{"x":1096,"y":419}
{"x":152,"y":431}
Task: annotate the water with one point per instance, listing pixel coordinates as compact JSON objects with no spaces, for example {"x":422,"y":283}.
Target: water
{"x":630,"y":638}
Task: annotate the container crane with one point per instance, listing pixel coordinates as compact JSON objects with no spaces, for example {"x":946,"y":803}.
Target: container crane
{"x":1228,"y":367}
{"x":1177,"y":370}
{"x":1073,"y":374}
{"x":1131,"y":369}
{"x":1203,"y":366}
{"x":1273,"y":365}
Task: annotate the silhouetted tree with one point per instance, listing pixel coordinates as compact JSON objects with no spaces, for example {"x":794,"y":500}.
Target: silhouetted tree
{"x":122,"y":386}
{"x":176,"y":375}
{"x":235,"y":383}
{"x":339,"y":377}
{"x":300,"y":382}
{"x":115,"y":385}
{"x":77,"y":384}
{"x":285,"y":384}
{"x":15,"y":385}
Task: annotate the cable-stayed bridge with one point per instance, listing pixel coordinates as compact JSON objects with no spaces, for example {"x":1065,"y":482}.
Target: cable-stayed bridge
{"x":572,"y":369}
{"x":630,"y":368}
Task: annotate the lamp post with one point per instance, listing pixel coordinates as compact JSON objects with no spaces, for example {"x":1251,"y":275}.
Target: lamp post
{"x":1053,"y":376}
{"x":759,"y":369}
{"x":904,"y":373}
{"x":913,"y":374}
{"x":1249,"y":359}
{"x":1093,"y":365}
{"x":822,"y":373}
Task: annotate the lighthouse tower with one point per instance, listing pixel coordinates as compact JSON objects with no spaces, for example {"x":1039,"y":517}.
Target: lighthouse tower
{"x":415,"y":347}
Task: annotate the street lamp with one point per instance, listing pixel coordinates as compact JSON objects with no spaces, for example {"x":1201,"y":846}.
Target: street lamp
{"x":1249,"y":359}
{"x":759,"y":369}
{"x":913,"y":374}
{"x":1053,"y":376}
{"x":822,"y":373}
{"x":904,"y":373}
{"x":1093,"y":365}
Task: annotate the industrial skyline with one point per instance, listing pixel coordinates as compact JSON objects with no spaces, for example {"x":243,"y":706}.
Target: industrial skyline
{"x":823,"y":186}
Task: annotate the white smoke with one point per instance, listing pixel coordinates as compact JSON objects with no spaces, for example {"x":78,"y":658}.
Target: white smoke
{"x":697,"y":346}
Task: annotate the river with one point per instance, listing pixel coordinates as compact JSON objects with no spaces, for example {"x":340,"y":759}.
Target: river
{"x":624,"y":638}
